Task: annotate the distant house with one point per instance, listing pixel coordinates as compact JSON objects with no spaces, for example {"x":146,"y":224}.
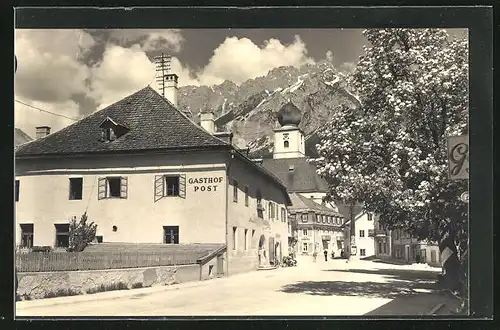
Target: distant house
{"x":410,"y":249}
{"x":146,"y":173}
{"x":364,"y":225}
{"x":20,"y":137}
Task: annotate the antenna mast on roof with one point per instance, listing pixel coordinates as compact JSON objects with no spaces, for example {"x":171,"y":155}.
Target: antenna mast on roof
{"x":163,"y":67}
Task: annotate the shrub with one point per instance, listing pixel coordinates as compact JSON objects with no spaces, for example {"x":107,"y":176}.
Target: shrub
{"x":137,"y":285}
{"x":41,"y":249}
{"x":61,"y":293}
{"x":81,"y":234}
{"x":110,"y":287}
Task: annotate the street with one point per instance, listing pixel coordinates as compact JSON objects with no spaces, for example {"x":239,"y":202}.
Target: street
{"x":322,"y":288}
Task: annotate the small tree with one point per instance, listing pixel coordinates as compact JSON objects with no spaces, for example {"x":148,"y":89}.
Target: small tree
{"x":81,"y":233}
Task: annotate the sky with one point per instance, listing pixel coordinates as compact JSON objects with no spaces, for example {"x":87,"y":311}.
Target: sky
{"x":76,"y":72}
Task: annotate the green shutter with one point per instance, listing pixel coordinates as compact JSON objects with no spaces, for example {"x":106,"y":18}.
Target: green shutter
{"x":124,"y":187}
{"x":182,"y":186}
{"x":159,"y":187}
{"x":101,"y":188}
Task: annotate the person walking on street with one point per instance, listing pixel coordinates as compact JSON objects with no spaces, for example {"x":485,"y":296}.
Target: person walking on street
{"x":326,"y":255}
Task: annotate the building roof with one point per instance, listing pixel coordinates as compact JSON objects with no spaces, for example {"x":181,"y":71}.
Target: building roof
{"x":20,"y":137}
{"x":344,"y":209}
{"x":153,"y":123}
{"x":302,"y":203}
{"x":302,"y":178}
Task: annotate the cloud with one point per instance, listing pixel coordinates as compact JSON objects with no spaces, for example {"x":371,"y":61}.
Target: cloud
{"x":121,"y":72}
{"x":58,"y":67}
{"x":329,"y":56}
{"x":48,"y":64}
{"x":239,"y":59}
{"x":28,"y":119}
{"x":149,"y":40}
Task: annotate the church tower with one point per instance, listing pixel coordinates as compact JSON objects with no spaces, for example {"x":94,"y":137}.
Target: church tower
{"x":289,"y":139}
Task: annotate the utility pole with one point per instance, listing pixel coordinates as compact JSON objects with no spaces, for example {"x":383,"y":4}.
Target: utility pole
{"x":162,"y":68}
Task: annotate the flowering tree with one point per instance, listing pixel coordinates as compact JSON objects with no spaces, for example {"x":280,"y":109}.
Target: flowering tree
{"x":391,"y":153}
{"x":81,"y":233}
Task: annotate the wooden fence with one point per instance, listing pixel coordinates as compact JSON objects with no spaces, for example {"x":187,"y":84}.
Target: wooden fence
{"x":67,"y":261}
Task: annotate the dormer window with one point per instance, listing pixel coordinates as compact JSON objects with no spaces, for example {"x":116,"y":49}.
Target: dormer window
{"x":111,"y":130}
{"x":108,"y":135}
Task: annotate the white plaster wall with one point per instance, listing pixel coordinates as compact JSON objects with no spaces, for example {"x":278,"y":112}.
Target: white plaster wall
{"x":245,"y":217}
{"x":296,"y":143}
{"x":44,"y":198}
{"x":367,"y":243}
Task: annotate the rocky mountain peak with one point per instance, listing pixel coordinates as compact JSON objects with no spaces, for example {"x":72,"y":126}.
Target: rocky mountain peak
{"x":250,"y":109}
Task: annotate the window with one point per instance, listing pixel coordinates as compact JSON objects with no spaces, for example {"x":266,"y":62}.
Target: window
{"x":370,"y":217}
{"x":286,"y":144}
{"x":283,"y":214}
{"x":361,"y":233}
{"x":235,"y":191}
{"x":27,"y":235}
{"x":246,"y":239}
{"x":171,"y":234}
{"x":379,"y":247}
{"x":99,"y":239}
{"x":322,"y":217}
{"x":433,"y":256}
{"x":260,"y":209}
{"x":253,"y":237}
{"x":304,"y":217}
{"x":16,"y":190}
{"x":396,"y":234}
{"x":304,"y":247}
{"x":304,"y":232}
{"x":329,"y":219}
{"x":246,"y":195}
{"x":75,"y":188}
{"x":170,"y":186}
{"x":107,"y":134}
{"x":62,"y":235}
{"x":318,"y":220}
{"x":234,"y":238}
{"x":362,"y":252}
{"x":113,"y":187}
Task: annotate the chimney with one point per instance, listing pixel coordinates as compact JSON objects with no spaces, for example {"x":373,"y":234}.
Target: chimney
{"x":226,"y":136}
{"x":207,"y":121}
{"x":170,"y":85}
{"x":42,"y":131}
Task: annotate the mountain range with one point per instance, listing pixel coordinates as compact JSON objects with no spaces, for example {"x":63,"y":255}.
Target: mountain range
{"x":249,"y":110}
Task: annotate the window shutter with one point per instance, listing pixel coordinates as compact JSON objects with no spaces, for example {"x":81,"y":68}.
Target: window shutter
{"x":101,"y":188}
{"x":124,"y":187}
{"x":182,"y":186}
{"x":159,"y":187}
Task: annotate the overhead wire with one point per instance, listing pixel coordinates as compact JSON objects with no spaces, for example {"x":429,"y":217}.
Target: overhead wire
{"x":46,"y":111}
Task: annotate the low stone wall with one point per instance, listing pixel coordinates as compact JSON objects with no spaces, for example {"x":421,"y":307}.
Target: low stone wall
{"x":37,"y":285}
{"x":241,"y":264}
